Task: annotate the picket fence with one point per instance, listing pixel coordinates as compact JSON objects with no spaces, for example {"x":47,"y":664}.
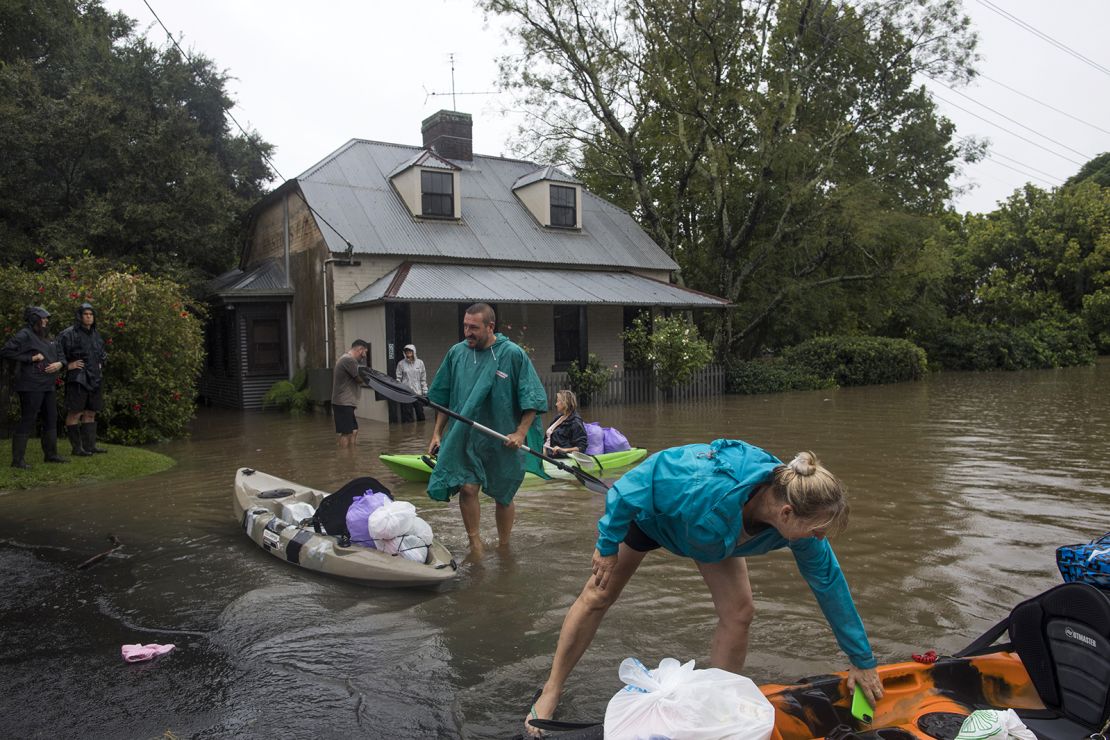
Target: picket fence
{"x":639,"y":386}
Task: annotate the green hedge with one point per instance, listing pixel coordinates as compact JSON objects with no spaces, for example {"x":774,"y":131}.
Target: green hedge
{"x":859,"y":360}
{"x":772,"y":376}
{"x":1051,"y":342}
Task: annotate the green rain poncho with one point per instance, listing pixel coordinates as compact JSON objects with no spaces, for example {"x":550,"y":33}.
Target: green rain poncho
{"x":494,"y":387}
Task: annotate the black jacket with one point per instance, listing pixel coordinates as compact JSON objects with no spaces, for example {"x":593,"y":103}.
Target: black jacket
{"x":78,"y":343}
{"x":571,"y":433}
{"x":23,"y":345}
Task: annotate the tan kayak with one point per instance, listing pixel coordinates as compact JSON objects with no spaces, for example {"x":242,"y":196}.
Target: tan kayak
{"x":259,"y":502}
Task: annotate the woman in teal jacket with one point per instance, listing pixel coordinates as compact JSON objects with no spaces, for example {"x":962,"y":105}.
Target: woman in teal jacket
{"x":718,"y":503}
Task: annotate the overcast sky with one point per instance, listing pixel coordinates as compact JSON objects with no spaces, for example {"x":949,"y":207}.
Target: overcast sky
{"x":309,"y":77}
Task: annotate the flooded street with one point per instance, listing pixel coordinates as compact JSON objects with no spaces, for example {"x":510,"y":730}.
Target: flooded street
{"x":961,"y":486}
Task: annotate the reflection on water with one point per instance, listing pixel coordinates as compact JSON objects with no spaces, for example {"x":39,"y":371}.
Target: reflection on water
{"x":961,"y":487}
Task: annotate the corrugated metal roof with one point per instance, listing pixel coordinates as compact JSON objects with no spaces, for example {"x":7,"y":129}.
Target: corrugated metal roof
{"x":351,"y":190}
{"x":423,"y":158}
{"x":463,"y":283}
{"x":265,"y":279}
{"x":549,"y":172}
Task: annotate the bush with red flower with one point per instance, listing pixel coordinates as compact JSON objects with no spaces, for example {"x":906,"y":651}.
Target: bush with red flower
{"x":155,"y":348}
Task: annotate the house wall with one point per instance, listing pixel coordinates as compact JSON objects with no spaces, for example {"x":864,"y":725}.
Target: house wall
{"x":606,"y":324}
{"x":268,"y":231}
{"x":536,"y":197}
{"x":368,"y":323}
{"x":408,"y":185}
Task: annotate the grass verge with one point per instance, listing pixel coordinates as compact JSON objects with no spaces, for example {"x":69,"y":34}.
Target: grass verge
{"x":120,"y":463}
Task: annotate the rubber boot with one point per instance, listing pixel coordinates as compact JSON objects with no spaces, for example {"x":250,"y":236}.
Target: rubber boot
{"x":50,"y":447}
{"x":88,"y":436}
{"x":19,"y":449}
{"x":73,"y":432}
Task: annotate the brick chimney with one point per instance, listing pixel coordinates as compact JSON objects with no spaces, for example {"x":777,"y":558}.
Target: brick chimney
{"x":449,"y":134}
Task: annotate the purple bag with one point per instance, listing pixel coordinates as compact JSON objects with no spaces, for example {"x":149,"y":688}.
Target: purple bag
{"x":358,"y":516}
{"x":614,"y":441}
{"x":595,"y":438}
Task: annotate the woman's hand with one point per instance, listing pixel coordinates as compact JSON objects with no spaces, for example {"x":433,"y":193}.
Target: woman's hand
{"x":37,"y":357}
{"x":603,"y":569}
{"x":76,"y":365}
{"x":53,"y":367}
{"x":868,"y":680}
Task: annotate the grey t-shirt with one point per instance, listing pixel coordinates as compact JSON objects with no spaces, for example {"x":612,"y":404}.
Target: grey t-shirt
{"x":345,"y":384}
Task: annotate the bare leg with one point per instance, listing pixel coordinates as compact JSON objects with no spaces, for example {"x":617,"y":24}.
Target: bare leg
{"x":579,"y":627}
{"x":471,"y":516}
{"x":732,"y":598}
{"x":506,"y":515}
{"x":74,"y":417}
{"x":88,"y":416}
{"x":354,"y":438}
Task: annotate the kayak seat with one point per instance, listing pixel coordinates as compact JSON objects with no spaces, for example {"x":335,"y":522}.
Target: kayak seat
{"x":331,"y":515}
{"x":1063,"y":639}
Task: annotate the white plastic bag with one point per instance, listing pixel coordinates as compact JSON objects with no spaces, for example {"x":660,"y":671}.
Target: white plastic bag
{"x":391,"y":520}
{"x":413,"y":544}
{"x":296,"y":512}
{"x":678,"y":702}
{"x":990,"y":724}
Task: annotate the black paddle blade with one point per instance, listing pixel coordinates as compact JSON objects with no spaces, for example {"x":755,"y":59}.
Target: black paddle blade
{"x":594,"y":484}
{"x":389,"y":387}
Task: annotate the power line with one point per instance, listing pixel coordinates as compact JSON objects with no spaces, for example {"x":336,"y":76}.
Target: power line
{"x":1041,"y":102}
{"x":992,"y":155}
{"x":250,"y":141}
{"x":1011,"y":120}
{"x":1044,"y":36}
{"x":1003,"y":128}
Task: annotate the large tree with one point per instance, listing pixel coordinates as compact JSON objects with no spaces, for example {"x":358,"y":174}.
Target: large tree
{"x":779,"y":150}
{"x":116,"y":146}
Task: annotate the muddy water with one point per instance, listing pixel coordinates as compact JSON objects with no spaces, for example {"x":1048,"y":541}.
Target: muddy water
{"x":961,"y":488}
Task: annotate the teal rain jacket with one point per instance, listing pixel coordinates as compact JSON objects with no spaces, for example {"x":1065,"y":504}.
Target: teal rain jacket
{"x":690,"y":500}
{"x":494,"y":387}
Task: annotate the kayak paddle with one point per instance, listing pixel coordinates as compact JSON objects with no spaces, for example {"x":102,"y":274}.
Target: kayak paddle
{"x":395,"y":391}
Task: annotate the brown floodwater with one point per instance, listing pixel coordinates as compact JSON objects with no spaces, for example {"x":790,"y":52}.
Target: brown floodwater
{"x":961,"y":487}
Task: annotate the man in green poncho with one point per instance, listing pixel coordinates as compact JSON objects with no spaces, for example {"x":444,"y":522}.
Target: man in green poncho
{"x":491,"y":380}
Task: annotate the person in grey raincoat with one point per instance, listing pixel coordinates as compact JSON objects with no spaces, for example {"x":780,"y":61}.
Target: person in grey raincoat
{"x":411,"y":372}
{"x":38,"y":362}
{"x":83,"y":352}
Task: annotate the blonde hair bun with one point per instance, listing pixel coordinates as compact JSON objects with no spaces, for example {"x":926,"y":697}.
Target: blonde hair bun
{"x":804,"y":464}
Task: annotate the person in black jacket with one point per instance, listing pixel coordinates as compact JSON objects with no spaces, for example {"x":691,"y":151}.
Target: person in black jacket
{"x":83,"y":352}
{"x":568,"y":433}
{"x":38,"y":362}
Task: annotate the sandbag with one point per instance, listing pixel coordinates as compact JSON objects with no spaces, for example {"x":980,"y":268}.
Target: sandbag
{"x":392,"y":520}
{"x":358,"y":516}
{"x":614,"y":441}
{"x":595,"y":438}
{"x":295,"y":512}
{"x":676,"y":701}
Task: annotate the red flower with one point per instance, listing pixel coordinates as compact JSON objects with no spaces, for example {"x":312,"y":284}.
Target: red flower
{"x":57,"y":381}
{"x":119,"y":324}
{"x":184,"y":314}
{"x":42,"y":289}
{"x":74,"y":295}
{"x":176,"y":396}
{"x":40,"y":261}
{"x":108,"y":340}
{"x":136,"y":407}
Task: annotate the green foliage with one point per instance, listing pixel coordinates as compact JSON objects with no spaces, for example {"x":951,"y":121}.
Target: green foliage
{"x":587,"y":381}
{"x":781,"y":152}
{"x":964,"y":344}
{"x":290,"y":395}
{"x":637,"y":344}
{"x":113,"y":145}
{"x":772,"y":376}
{"x":1096,"y":170}
{"x":1096,"y":312}
{"x":153,"y":338}
{"x":124,"y":463}
{"x":677,"y":351}
{"x":858,"y":360}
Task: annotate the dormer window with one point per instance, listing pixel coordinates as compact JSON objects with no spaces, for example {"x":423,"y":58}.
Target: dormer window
{"x":437,"y":194}
{"x":564,"y":206}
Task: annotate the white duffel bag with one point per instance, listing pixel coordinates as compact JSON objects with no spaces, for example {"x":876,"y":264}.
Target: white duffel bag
{"x":680,"y":702}
{"x":391,"y":520}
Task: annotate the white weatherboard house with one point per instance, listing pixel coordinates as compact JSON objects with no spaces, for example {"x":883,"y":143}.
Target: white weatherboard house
{"x":389,"y":243}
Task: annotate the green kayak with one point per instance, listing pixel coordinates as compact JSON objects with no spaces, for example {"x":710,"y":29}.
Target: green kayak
{"x":414,"y":467}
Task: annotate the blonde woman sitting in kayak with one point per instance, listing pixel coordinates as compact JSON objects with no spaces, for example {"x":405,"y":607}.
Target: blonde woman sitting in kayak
{"x":568,"y":433}
{"x":718,"y":504}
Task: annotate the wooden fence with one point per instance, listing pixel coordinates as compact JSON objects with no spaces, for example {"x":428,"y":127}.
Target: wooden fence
{"x":639,"y":386}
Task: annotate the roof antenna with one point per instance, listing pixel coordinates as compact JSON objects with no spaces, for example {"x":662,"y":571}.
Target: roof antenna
{"x":454,"y":105}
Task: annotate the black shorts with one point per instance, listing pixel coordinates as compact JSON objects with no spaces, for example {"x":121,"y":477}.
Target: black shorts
{"x":638,"y":541}
{"x":80,"y":398}
{"x":345,"y":421}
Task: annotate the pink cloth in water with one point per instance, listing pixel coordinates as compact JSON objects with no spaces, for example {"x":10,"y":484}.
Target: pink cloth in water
{"x":137,"y":653}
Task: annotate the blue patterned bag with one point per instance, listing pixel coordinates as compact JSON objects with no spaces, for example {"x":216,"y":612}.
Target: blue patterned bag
{"x":1086,"y":563}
